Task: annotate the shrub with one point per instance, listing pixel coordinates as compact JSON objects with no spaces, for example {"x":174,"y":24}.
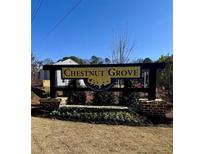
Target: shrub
{"x":75,"y":97}
{"x":103,"y":98}
{"x":126,"y":99}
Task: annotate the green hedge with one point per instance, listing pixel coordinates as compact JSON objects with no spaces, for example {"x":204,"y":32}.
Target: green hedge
{"x":100,"y":116}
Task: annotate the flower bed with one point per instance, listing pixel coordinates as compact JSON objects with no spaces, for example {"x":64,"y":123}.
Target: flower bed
{"x":100,"y":116}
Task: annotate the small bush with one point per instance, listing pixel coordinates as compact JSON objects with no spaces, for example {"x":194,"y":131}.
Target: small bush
{"x":126,"y":99}
{"x":75,"y":97}
{"x":103,"y":98}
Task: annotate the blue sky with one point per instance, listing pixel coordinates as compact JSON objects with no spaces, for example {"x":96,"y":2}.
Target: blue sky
{"x":89,"y":29}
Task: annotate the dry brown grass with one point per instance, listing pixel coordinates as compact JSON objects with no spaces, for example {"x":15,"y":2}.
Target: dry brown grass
{"x":64,"y":137}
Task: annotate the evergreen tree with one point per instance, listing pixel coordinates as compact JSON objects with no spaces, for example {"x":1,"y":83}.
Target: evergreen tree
{"x":165,"y":76}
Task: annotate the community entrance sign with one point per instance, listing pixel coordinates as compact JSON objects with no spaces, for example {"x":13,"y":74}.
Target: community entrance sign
{"x":102,"y":77}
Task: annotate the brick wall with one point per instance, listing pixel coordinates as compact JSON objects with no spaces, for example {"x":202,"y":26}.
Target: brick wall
{"x":156,"y":107}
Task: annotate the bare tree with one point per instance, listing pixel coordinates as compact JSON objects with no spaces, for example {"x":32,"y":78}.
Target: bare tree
{"x":35,"y":64}
{"x":48,"y":61}
{"x":121,"y":49}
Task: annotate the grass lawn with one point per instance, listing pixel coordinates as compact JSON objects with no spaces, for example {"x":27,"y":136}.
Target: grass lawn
{"x":65,"y":137}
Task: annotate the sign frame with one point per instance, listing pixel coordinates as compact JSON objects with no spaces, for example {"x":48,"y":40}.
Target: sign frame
{"x":151,"y":90}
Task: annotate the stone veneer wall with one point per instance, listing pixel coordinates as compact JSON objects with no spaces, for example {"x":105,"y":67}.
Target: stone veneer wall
{"x":156,"y":107}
